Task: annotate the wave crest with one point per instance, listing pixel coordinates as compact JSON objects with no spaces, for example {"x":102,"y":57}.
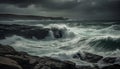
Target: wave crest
{"x":105,"y":43}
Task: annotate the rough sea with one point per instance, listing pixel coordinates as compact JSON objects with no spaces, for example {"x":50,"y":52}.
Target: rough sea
{"x":102,"y":38}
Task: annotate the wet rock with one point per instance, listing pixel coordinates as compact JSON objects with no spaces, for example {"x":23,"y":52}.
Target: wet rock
{"x":5,"y":49}
{"x":27,"y":61}
{"x":34,"y":33}
{"x":24,"y":62}
{"x":92,"y":57}
{"x":78,"y":55}
{"x":24,"y":31}
{"x":21,"y":53}
{"x":29,"y":32}
{"x":11,"y":59}
{"x":7,"y":63}
{"x":54,"y":64}
{"x":57,"y":33}
{"x":85,"y":67}
{"x":109,"y":59}
{"x":89,"y":57}
{"x":45,"y":67}
{"x":113,"y":66}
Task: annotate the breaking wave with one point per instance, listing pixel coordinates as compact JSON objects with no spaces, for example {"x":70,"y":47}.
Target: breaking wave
{"x":75,"y":37}
{"x":105,"y":43}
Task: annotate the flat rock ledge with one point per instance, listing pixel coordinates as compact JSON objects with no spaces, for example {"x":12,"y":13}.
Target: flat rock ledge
{"x":12,"y":59}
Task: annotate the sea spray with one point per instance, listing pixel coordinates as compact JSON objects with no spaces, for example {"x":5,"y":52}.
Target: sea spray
{"x":93,"y":38}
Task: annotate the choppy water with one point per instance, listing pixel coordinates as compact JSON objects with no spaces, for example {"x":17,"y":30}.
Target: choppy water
{"x":101,"y":38}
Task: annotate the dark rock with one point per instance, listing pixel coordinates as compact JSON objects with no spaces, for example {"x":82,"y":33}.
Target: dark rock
{"x":57,"y":33}
{"x":22,"y":53}
{"x":113,"y":66}
{"x":54,"y":64}
{"x":92,"y":57}
{"x":85,"y":67}
{"x":45,"y":67}
{"x":109,"y":59}
{"x":11,"y":59}
{"x":7,"y":63}
{"x":27,"y":61}
{"x":24,"y":30}
{"x":36,"y":33}
{"x":28,"y":31}
{"x":4,"y":49}
{"x":89,"y":57}
{"x":28,"y":17}
{"x":78,"y":55}
{"x":24,"y":62}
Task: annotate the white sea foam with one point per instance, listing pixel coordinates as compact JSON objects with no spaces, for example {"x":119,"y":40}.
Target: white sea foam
{"x":75,"y":39}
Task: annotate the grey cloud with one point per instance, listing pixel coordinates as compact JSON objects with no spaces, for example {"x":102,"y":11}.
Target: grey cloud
{"x":68,"y":4}
{"x":69,"y":8}
{"x":52,"y":4}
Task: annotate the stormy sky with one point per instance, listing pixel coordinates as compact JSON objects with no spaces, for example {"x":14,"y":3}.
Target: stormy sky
{"x":80,"y":9}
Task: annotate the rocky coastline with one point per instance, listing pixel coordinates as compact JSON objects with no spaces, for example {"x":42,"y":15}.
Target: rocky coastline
{"x":28,"y":17}
{"x":28,"y":32}
{"x":12,"y":59}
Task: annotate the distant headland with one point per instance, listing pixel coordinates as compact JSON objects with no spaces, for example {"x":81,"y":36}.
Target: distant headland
{"x":28,"y":17}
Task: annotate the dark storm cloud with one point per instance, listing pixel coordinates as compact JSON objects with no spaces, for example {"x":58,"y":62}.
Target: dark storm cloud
{"x":100,"y":5}
{"x":99,"y":9}
{"x":71,"y":8}
{"x":68,"y":4}
{"x":61,"y":4}
{"x":21,"y":3}
{"x":52,"y":4}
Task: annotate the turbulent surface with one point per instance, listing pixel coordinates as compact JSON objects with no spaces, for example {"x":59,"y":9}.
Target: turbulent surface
{"x":102,"y":38}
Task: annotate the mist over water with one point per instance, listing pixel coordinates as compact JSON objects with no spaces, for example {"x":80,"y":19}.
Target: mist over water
{"x":101,"y":38}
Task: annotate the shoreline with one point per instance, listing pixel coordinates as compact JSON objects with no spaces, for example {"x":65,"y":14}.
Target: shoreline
{"x":12,"y":59}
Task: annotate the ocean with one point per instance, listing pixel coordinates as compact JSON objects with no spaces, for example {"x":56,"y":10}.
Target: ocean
{"x":102,"y":38}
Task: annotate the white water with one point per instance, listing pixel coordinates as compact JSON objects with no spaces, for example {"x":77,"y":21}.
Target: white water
{"x":76,"y":38}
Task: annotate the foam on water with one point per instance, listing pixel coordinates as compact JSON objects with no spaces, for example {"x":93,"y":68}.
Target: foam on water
{"x":76,"y":38}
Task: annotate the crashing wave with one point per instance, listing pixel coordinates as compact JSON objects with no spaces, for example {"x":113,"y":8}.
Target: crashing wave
{"x":105,"y":43}
{"x":59,"y":31}
{"x":35,"y":32}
